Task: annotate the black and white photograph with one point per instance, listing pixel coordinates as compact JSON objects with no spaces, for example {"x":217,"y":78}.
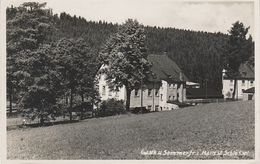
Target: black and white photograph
{"x":129,"y":80}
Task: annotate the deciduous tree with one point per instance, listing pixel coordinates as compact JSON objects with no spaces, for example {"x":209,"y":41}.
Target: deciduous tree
{"x":125,"y":57}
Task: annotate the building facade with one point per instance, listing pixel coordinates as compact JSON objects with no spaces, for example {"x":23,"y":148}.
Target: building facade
{"x":168,"y":85}
{"x":249,"y":94}
{"x":245,"y":80}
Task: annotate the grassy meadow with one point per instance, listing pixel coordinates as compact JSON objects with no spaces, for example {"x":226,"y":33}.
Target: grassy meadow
{"x":204,"y":128}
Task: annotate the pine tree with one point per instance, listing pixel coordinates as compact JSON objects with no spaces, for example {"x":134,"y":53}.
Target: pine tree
{"x":238,"y":51}
{"x":28,"y":26}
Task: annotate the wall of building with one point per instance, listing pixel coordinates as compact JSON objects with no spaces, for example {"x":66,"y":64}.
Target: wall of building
{"x":248,"y":96}
{"x":150,"y":98}
{"x":172,"y":91}
{"x":163,"y":96}
{"x":228,"y":87}
{"x":105,"y":93}
{"x":152,"y":101}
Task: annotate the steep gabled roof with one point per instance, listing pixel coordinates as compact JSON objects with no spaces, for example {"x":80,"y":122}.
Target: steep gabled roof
{"x":250,"y":90}
{"x":245,"y":72}
{"x":165,"y":68}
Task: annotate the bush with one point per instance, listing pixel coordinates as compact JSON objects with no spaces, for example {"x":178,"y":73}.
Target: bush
{"x":47,"y":114}
{"x":83,"y":110}
{"x":138,"y":110}
{"x":111,"y":107}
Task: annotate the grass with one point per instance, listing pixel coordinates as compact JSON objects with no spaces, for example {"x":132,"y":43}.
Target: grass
{"x":212,"y":127}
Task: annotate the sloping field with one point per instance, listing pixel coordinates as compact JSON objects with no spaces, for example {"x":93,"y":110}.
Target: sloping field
{"x":212,"y":131}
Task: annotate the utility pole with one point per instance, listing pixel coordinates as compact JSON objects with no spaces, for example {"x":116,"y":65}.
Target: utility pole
{"x":142,"y":89}
{"x":153,"y":97}
{"x":237,"y":90}
{"x":142,"y":93}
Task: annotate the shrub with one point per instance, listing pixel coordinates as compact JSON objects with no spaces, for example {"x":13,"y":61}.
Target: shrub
{"x":138,"y":110}
{"x":84,"y":110}
{"x":111,"y":107}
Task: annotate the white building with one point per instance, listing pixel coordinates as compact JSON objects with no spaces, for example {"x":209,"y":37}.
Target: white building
{"x":160,"y":93}
{"x":244,"y":81}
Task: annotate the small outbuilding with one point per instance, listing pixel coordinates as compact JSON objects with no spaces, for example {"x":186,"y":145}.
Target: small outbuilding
{"x":249,"y":94}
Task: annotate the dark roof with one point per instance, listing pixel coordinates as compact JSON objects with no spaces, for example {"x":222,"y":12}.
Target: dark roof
{"x":250,"y":90}
{"x":165,"y":68}
{"x":245,"y":72}
{"x":200,"y":93}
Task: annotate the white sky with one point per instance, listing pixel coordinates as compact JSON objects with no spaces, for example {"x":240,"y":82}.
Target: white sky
{"x":197,"y":15}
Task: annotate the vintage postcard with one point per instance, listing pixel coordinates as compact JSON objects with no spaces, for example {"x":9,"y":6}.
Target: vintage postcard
{"x":146,"y":80}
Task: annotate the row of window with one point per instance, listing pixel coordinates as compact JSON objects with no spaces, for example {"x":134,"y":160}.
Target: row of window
{"x":149,"y":107}
{"x":149,"y":92}
{"x":172,"y":86}
{"x":243,"y":82}
{"x":171,"y":98}
{"x":231,"y":90}
{"x":137,"y":93}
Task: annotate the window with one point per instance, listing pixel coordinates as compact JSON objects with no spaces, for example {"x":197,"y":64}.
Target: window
{"x":149,"y":107}
{"x":136,"y":92}
{"x":161,"y":108}
{"x":104,"y":90}
{"x":161,"y":97}
{"x":149,"y":92}
{"x":251,"y":83}
{"x":117,"y":94}
{"x":156,"y":107}
{"x":169,"y":98}
{"x":157,"y":92}
{"x":243,"y":82}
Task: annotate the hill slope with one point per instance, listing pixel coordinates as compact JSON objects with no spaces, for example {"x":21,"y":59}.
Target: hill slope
{"x":212,"y":127}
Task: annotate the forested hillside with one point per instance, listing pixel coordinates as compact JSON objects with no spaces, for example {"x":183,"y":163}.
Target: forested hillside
{"x":199,"y":54}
